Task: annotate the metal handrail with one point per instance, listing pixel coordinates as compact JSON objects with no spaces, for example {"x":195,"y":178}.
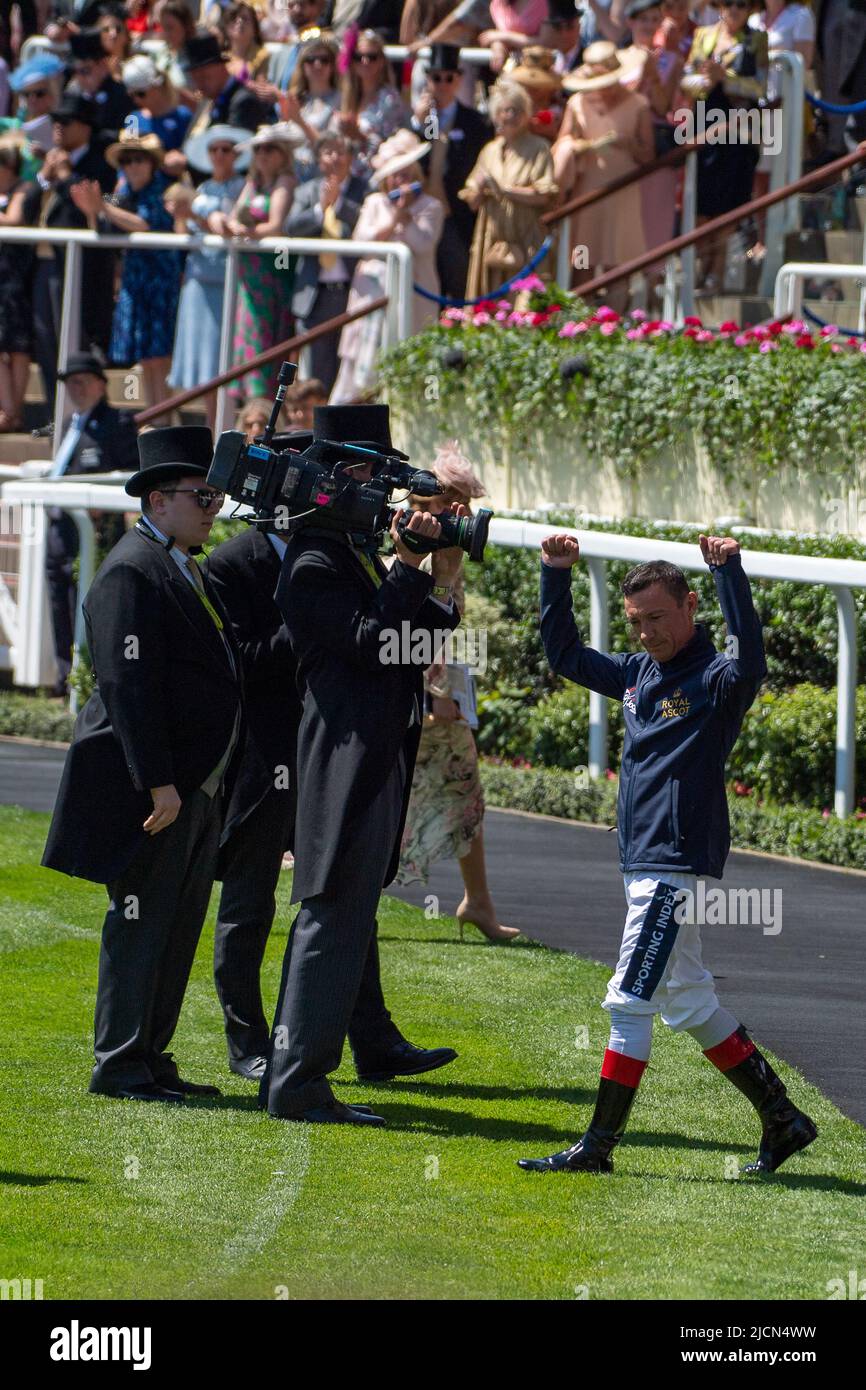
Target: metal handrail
{"x":397,"y":256}
{"x":284,"y":349}
{"x":728,"y":219}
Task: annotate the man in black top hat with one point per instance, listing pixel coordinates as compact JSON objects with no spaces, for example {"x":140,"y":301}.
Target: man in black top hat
{"x":560,"y":31}
{"x":457,"y":134}
{"x":139,"y":805}
{"x":97,"y":439}
{"x":357,"y":742}
{"x":225,"y":100}
{"x":92,"y":78}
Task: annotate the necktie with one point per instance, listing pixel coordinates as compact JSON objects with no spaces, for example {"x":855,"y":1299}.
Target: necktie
{"x":198,"y":584}
{"x":330,"y":228}
{"x":369,"y":567}
{"x":68,"y":445}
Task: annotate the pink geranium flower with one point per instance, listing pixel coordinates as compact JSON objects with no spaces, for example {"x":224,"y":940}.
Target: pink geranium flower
{"x":729,"y":327}
{"x":608,"y":327}
{"x":769,"y":346}
{"x":705,"y":336}
{"x":606,"y":315}
{"x":692,"y":321}
{"x":529,"y":282}
{"x":829,"y":330}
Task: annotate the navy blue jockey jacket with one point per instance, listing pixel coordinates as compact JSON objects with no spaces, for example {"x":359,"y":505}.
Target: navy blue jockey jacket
{"x":682,"y":718}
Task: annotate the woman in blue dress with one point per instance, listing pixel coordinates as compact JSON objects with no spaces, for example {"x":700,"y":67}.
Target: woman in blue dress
{"x":199,"y":319}
{"x":146,"y":308}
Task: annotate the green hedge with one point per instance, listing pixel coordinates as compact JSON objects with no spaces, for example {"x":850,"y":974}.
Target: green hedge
{"x":789,"y":830}
{"x":34,"y":716}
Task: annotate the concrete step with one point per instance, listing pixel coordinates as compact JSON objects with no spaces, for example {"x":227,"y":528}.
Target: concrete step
{"x":15,"y":448}
{"x":844,"y":248}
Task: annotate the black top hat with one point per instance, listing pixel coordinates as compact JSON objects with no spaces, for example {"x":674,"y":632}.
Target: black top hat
{"x":444,"y":57}
{"x":201,"y":49}
{"x":87,"y":45}
{"x":562,"y":10}
{"x":78,"y":362}
{"x":368,"y":425}
{"x":74,"y":106}
{"x":170,"y":453}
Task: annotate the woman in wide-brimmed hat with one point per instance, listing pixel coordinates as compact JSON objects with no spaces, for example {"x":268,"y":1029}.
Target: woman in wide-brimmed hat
{"x":264,"y":305}
{"x":512,"y":184}
{"x":606,"y":132}
{"x":397,"y":210}
{"x":144,"y":315}
{"x":199,"y":321}
{"x":536,"y":74}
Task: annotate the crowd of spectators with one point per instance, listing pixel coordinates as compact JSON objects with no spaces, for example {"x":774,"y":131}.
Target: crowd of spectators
{"x":287,"y":117}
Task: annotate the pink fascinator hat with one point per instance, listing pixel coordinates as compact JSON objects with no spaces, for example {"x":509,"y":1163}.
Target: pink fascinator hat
{"x":454,"y":470}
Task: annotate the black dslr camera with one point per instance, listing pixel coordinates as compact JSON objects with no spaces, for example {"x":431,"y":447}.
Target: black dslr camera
{"x":296,"y":488}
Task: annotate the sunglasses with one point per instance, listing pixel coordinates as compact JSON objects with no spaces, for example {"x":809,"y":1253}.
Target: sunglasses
{"x":442,"y":76}
{"x":205,"y":499}
{"x":221,"y":149}
{"x":320,"y":60}
{"x":36,"y":92}
{"x":137,"y":93}
{"x":132,"y":159}
{"x":366,"y":57}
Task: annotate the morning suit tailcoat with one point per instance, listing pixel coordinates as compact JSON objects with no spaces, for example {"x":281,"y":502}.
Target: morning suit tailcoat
{"x":244,"y":572}
{"x":108,"y":443}
{"x":469,"y":133}
{"x":162,"y":712}
{"x":356,"y":708}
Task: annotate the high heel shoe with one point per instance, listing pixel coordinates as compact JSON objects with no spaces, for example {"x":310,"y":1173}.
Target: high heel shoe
{"x":497,"y":934}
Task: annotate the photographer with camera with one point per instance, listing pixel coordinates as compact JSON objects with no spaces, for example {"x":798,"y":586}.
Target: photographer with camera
{"x":357,"y":742}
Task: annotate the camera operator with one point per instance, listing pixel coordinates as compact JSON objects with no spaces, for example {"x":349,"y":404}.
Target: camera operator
{"x":357,"y":742}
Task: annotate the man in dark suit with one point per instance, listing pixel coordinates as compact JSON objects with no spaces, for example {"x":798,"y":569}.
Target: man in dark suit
{"x":457,"y":134}
{"x":357,"y":743}
{"x":561,"y":33}
{"x":97,"y":439}
{"x":325,"y":207}
{"x":224,"y":98}
{"x":92,"y":78}
{"x":78,"y":153}
{"x":260,"y":820}
{"x":140,"y":800}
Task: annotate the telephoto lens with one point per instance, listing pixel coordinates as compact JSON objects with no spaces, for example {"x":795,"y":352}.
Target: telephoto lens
{"x":468,"y":532}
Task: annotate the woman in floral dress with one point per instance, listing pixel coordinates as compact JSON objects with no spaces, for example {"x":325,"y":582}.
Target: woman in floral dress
{"x":264,"y":314}
{"x":446,"y":806}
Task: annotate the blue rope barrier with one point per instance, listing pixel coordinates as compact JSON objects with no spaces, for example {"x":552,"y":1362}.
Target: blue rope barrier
{"x":825,"y":323}
{"x":449,"y":303}
{"x":833,"y":107}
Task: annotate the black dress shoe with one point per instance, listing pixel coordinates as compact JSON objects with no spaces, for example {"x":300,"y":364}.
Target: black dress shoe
{"x":402,"y":1059}
{"x":189,"y":1088}
{"x":250,"y":1068}
{"x":145,"y":1090}
{"x":336,"y":1113}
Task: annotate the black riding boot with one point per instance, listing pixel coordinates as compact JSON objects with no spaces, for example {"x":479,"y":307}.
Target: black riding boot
{"x":786,"y":1129}
{"x":592,"y":1153}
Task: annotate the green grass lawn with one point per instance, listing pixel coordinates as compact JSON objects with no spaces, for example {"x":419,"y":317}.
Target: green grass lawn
{"x":109,"y":1199}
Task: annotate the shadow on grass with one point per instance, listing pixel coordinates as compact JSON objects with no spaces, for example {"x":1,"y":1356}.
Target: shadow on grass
{"x":519,"y":943}
{"x":817,"y":1182}
{"x":570,"y":1095}
{"x":36,"y":1179}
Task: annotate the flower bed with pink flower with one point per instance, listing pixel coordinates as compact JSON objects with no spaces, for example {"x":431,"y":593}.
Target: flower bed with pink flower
{"x":757,"y":400}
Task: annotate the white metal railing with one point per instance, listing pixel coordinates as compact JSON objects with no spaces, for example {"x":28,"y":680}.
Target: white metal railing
{"x":788,"y":294}
{"x":104,"y":492}
{"x":841,"y":576}
{"x":398,"y":282}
